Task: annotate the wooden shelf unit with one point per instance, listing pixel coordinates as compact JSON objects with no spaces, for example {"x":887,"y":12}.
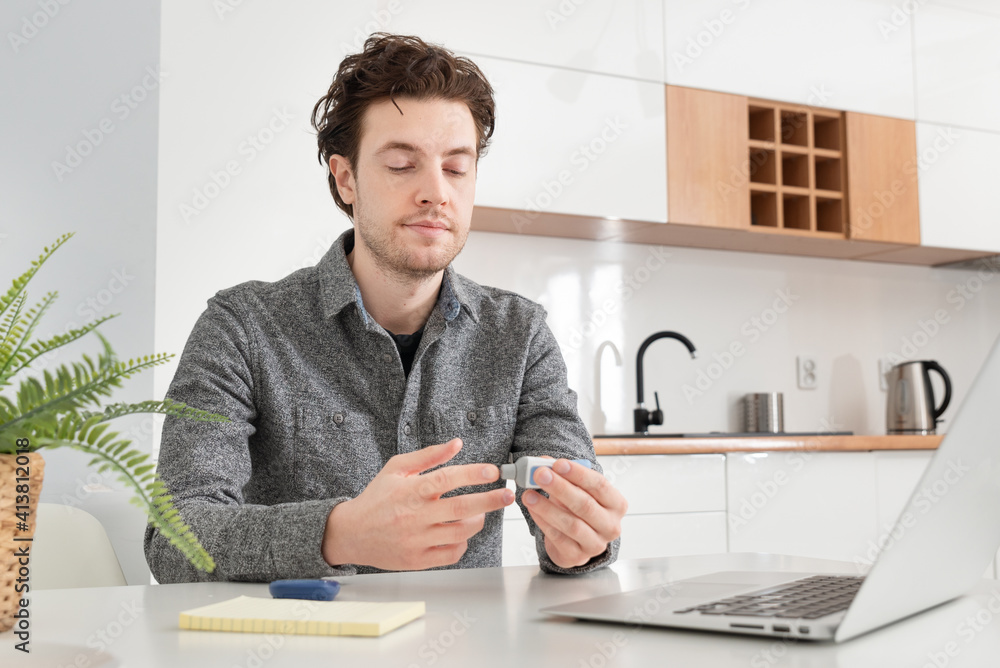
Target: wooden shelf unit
{"x":798,"y":170}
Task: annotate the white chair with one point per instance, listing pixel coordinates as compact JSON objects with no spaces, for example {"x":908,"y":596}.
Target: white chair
{"x":71,"y":549}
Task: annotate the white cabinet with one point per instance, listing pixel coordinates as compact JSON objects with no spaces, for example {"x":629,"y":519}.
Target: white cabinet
{"x":572,"y":142}
{"x":676,"y":506}
{"x":896,"y":476}
{"x":620,"y":37}
{"x":801,"y":503}
{"x":672,"y":534}
{"x":957,"y":65}
{"x":846,"y":55}
{"x":958,"y":176}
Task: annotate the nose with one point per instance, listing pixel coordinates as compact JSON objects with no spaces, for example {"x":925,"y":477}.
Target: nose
{"x":432,"y":189}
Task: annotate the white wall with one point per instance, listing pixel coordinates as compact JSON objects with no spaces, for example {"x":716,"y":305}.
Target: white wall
{"x":62,"y":83}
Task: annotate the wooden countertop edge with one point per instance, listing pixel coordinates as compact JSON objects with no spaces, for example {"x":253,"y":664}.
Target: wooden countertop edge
{"x":688,"y":446}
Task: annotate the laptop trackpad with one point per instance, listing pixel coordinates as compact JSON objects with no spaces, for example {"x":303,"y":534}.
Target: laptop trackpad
{"x":649,"y":603}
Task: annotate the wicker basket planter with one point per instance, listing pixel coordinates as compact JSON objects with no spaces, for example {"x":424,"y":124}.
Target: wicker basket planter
{"x":9,"y":531}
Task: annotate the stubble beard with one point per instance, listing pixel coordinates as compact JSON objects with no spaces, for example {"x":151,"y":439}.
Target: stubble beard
{"x":393,"y":256}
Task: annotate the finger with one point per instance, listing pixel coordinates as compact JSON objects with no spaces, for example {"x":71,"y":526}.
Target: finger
{"x":426,"y":458}
{"x":579,"y":503}
{"x":593,"y":483}
{"x":435,"y":483}
{"x":459,"y":531}
{"x":441,"y":555}
{"x":469,"y":505}
{"x":562,"y":549}
{"x":543,"y":511}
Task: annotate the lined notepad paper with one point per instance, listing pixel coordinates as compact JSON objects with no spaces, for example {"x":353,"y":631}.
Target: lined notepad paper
{"x":246,"y":614}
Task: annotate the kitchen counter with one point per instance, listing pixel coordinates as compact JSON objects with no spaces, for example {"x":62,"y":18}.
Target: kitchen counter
{"x":686,"y":446}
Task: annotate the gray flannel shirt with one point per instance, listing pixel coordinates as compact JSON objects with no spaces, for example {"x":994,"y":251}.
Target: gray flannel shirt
{"x":318,"y":403}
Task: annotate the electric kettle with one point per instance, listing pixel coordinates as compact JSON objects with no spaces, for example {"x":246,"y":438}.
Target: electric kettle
{"x":910,"y":404}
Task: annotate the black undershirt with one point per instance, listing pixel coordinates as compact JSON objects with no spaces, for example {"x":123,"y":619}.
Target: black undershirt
{"x":407,"y":345}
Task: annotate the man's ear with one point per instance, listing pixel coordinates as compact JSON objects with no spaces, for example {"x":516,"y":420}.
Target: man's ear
{"x":340,"y":167}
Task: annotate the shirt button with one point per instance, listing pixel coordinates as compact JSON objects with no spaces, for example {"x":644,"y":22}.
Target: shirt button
{"x":472,"y":416}
{"x":386,"y":358}
{"x":338,"y":418}
{"x":406,"y":429}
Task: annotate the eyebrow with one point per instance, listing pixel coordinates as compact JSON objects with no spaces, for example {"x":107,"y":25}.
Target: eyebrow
{"x":410,"y":148}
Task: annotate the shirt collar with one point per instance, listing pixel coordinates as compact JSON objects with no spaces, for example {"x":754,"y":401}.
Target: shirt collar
{"x":339,"y":288}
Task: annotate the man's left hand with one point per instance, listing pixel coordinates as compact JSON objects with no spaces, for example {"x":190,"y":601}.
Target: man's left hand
{"x":581,"y":516}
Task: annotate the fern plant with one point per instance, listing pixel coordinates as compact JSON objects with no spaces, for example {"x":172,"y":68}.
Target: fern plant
{"x":62,"y":407}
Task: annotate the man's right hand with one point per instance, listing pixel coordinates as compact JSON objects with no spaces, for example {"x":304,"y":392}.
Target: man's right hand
{"x":401,"y":523}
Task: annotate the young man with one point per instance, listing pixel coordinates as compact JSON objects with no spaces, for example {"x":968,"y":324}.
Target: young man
{"x":373,"y":397}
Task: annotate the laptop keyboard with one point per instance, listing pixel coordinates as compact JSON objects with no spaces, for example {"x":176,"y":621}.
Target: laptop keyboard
{"x":809,"y":598}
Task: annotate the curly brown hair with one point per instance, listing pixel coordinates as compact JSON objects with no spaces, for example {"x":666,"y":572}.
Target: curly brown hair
{"x":391,"y":66}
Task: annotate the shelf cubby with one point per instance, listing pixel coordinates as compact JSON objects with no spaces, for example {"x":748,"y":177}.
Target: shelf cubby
{"x":796,"y":211}
{"x":826,"y":132}
{"x":794,"y":128}
{"x":828,"y":174}
{"x":763,"y":209}
{"x":762,"y":123}
{"x":797,"y":168}
{"x":830,"y":214}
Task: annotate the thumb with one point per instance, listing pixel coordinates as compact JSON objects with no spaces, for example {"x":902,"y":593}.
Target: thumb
{"x":425,"y":458}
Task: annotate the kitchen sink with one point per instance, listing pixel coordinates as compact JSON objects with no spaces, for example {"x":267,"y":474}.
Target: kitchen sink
{"x":728,"y":434}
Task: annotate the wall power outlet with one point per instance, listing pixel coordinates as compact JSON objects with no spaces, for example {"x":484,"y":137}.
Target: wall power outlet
{"x":808,"y":371}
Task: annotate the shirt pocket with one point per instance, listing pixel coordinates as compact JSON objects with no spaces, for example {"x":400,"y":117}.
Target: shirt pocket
{"x":335,"y":452}
{"x":487,"y":432}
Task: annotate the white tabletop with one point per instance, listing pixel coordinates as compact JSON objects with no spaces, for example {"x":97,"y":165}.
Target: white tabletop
{"x":486,"y":617}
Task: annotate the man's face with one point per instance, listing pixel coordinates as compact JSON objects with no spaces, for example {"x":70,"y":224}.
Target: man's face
{"x":414,"y":184}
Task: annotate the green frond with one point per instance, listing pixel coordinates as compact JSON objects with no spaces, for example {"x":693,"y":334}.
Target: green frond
{"x":19,"y":335}
{"x":48,"y":408}
{"x":36,"y":349}
{"x":18,"y":284}
{"x":10,"y":320}
{"x":165,"y":407}
{"x":150,"y":495}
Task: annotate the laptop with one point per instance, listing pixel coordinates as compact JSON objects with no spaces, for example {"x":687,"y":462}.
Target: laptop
{"x":942,"y":544}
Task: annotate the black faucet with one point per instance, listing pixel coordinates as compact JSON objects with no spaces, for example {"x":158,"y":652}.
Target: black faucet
{"x":643,"y":417}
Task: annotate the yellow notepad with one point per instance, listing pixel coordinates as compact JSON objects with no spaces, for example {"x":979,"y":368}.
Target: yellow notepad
{"x":247,"y":614}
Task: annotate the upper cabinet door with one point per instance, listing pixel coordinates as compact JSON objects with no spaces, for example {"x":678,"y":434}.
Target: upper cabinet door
{"x":620,"y":37}
{"x":882,"y":195}
{"x":570,"y":142}
{"x":959,"y":174}
{"x":707,"y":158}
{"x":957,"y":64}
{"x":844,"y":55}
